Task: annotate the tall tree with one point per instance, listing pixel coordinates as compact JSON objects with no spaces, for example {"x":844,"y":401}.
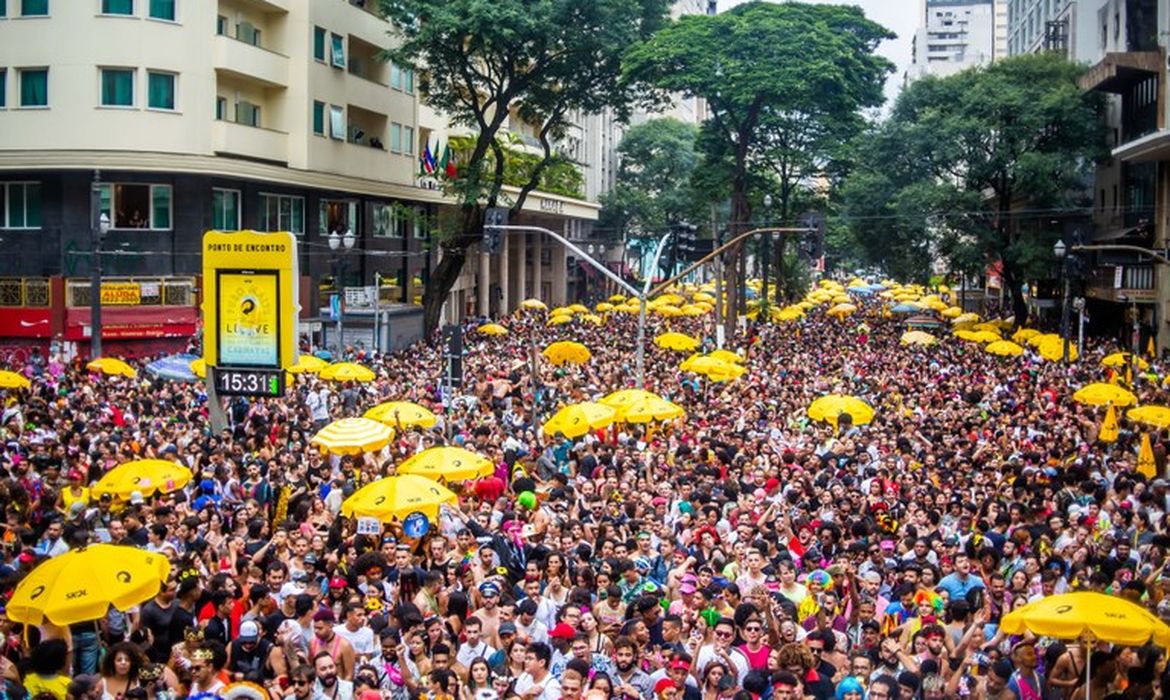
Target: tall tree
{"x":482,"y":61}
{"x":944,"y":172}
{"x":758,"y":65}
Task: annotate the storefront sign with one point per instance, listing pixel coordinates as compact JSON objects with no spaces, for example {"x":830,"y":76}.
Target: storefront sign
{"x":554,"y":206}
{"x":121,"y":294}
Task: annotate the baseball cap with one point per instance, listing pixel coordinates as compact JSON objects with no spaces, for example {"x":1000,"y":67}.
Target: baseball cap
{"x":562,"y":630}
{"x":249,"y":631}
{"x":507,"y":628}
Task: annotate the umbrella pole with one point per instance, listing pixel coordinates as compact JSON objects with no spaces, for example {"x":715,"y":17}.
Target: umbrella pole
{"x":1087,"y":643}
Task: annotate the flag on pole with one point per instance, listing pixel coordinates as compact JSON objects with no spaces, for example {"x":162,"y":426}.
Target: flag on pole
{"x":428,"y":160}
{"x":449,"y":166}
{"x":1109,"y":428}
{"x":1146,"y":464}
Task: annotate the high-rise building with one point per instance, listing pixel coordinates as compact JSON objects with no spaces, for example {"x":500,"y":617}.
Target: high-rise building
{"x":1001,"y":29}
{"x":1068,"y":26}
{"x":954,"y":35}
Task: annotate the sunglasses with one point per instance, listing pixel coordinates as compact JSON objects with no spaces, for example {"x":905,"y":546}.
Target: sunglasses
{"x":196,"y":668}
{"x":301,"y":684}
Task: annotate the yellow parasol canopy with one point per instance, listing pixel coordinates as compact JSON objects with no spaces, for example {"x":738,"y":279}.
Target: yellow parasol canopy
{"x":1101,"y":394}
{"x":1083,"y":614}
{"x":712,"y":368}
{"x":977,"y":336}
{"x":1052,"y":349}
{"x":567,"y":351}
{"x":677,"y":341}
{"x":402,"y":413}
{"x":199,"y":367}
{"x":604,"y":307}
{"x":918,"y":338}
{"x":351,"y":436}
{"x":533,"y":304}
{"x":396,"y":497}
{"x":1004,"y":348}
{"x":12,"y":380}
{"x":146,"y":476}
{"x":1153,"y":416}
{"x":492,"y":329}
{"x":579,"y":308}
{"x":82,"y":584}
{"x":645,"y":410}
{"x":559,"y":319}
{"x":828,"y":408}
{"x":1022,"y":335}
{"x":1123,"y":359}
{"x":703,"y":296}
{"x":726,"y":356}
{"x":841,"y":310}
{"x":617,"y":299}
{"x":112,"y":366}
{"x":347,"y":372}
{"x":308,"y":364}
{"x":579,"y":419}
{"x":448,"y":463}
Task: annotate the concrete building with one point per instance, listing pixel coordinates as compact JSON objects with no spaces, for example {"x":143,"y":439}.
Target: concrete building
{"x":954,"y":35}
{"x":1068,"y":26}
{"x":1001,"y":29}
{"x":226,"y":114}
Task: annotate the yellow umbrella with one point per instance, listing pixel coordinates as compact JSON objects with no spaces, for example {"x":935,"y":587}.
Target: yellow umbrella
{"x":965,"y":318}
{"x":12,"y":380}
{"x":402,"y":413}
{"x":703,"y":296}
{"x":977,"y":336}
{"x":347,"y":372}
{"x":668,"y":310}
{"x":492,"y":329}
{"x":624,"y":397}
{"x":790,"y":313}
{"x":579,"y":308}
{"x":593,"y":318}
{"x":617,"y":299}
{"x":82,"y":584}
{"x":951,"y":312}
{"x":1100,"y":394}
{"x":352,"y":436}
{"x":561,"y":311}
{"x":1052,"y":349}
{"x":712,"y":368}
{"x":559,"y":319}
{"x":578,"y":419}
{"x":533,"y":304}
{"x":448,"y":463}
{"x":1004,"y":348}
{"x":396,"y":497}
{"x":1153,"y":416}
{"x":1022,"y":335}
{"x":677,"y":341}
{"x":567,"y":351}
{"x":1123,"y":359}
{"x":669,"y":299}
{"x":988,"y":326}
{"x":310,"y":364}
{"x":644,"y":410}
{"x":918,"y":338}
{"x":1040,"y":338}
{"x":146,"y":476}
{"x":726,"y":356}
{"x":112,"y":366}
{"x":841,"y":310}
{"x":604,"y":307}
{"x":829,"y":407}
{"x":199,"y":367}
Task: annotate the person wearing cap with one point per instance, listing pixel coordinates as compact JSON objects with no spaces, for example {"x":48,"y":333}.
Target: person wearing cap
{"x":666,"y":689}
{"x":253,"y":658}
{"x":489,"y":614}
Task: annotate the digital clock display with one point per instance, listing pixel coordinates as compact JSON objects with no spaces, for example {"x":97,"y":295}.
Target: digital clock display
{"x":231,"y":381}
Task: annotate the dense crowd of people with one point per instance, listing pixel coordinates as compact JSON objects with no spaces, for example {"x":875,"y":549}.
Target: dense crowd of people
{"x":744,"y":551}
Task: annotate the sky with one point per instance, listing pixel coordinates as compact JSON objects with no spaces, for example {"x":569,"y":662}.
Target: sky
{"x":899,"y":16}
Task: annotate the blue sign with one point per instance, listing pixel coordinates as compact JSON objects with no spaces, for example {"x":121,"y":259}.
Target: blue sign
{"x":415,"y":526}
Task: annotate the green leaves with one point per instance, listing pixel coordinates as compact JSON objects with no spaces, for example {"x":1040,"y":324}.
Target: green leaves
{"x":653,"y":185}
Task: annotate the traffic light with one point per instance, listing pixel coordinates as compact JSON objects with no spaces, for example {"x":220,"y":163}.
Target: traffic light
{"x":493,"y":218}
{"x":690,"y":248}
{"x":812,"y":241}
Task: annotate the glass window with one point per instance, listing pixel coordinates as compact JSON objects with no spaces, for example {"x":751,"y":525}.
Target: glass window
{"x":117,"y":87}
{"x":117,"y":7}
{"x":34,"y":8}
{"x":336,"y":122}
{"x":3,"y":86}
{"x":221,"y":108}
{"x":408,"y":79}
{"x":3,"y":8}
{"x":420,"y":223}
{"x":395,"y":137}
{"x":319,"y":43}
{"x":382,"y":219}
{"x":248,"y":33}
{"x":247,"y":113}
{"x":395,"y":76}
{"x":225,"y":210}
{"x":408,"y":139}
{"x":137,"y":206}
{"x":34,"y":87}
{"x":221,"y":25}
{"x":282,"y":213}
{"x":160,"y":90}
{"x":337,"y":215}
{"x":319,"y":118}
{"x":20,"y":205}
{"x":163,"y":9}
{"x":337,"y":51}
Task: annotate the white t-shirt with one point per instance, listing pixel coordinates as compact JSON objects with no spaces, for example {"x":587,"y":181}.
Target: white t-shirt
{"x":363,"y":641}
{"x":467,"y":654}
{"x":552,"y":687}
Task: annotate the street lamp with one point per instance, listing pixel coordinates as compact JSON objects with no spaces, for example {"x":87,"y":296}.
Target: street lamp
{"x":1060,"y":250}
{"x":340,"y":244}
{"x":767,"y":251}
{"x":99,"y":227}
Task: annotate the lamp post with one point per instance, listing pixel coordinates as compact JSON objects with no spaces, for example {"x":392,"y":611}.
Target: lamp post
{"x":767,"y":253}
{"x":99,"y":227}
{"x":1061,"y":253}
{"x":340,"y":244}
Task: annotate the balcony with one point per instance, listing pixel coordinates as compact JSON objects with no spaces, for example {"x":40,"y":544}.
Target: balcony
{"x":268,"y":6}
{"x":1117,"y":71}
{"x":1112,"y":282}
{"x":229,"y":138}
{"x":248,"y":62}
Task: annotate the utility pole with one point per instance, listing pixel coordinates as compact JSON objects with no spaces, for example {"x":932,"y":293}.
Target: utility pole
{"x":719,"y":329}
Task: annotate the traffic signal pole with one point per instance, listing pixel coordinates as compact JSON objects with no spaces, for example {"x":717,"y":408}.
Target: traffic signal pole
{"x":715,"y":253}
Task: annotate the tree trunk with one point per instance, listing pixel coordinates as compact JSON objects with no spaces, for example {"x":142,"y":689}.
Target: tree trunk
{"x":741,"y":214}
{"x":1019,"y":308}
{"x":439,"y":285}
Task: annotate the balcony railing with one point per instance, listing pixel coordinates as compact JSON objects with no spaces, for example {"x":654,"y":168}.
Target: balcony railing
{"x":24,"y":292}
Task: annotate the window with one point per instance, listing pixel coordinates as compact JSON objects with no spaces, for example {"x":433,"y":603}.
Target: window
{"x":20,"y":205}
{"x":117,"y":87}
{"x":408,"y":79}
{"x":160,"y":89}
{"x":319,"y":43}
{"x":137,"y":206}
{"x":395,"y":137}
{"x":336,"y":122}
{"x":337,"y":215}
{"x":337,"y":51}
{"x":420,"y":223}
{"x":225,"y":210}
{"x":319,"y":118}
{"x":163,"y":9}
{"x":3,"y":8}
{"x":220,"y":108}
{"x":408,"y":139}
{"x":117,"y":7}
{"x":382,"y":218}
{"x":3,"y":86}
{"x":34,"y":87}
{"x":221,"y":25}
{"x":248,"y":33}
{"x":247,"y":113}
{"x":34,"y":8}
{"x":282,"y":213}
{"x":395,"y":76}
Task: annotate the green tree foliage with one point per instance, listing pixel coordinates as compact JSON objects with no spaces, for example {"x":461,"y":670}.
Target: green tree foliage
{"x":958,"y":155}
{"x":653,"y":183}
{"x":764,"y":70}
{"x":559,"y":175}
{"x":482,"y":61}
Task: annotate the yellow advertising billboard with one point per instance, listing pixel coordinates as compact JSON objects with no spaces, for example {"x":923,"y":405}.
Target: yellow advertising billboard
{"x":250,"y":300}
{"x":121,"y":294}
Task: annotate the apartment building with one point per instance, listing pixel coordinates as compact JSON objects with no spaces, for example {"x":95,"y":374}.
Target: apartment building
{"x":189,"y":115}
{"x":1068,"y":26}
{"x":954,"y":35}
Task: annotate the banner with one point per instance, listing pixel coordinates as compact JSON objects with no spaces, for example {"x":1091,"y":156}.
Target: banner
{"x":249,"y":318}
{"x":121,"y":294}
